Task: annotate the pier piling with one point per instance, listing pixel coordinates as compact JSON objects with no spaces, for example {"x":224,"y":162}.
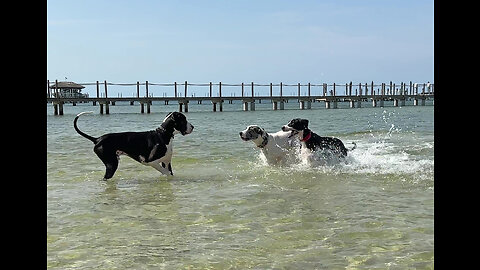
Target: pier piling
{"x":245,"y":105}
{"x":314,"y":92}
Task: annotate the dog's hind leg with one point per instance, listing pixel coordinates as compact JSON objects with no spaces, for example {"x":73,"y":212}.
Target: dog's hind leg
{"x":110,"y":168}
{"x":109,"y":158}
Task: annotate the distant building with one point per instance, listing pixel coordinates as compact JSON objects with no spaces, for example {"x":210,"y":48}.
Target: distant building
{"x":68,"y":90}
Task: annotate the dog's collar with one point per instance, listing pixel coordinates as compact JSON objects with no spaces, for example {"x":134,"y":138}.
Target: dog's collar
{"x":162,"y":129}
{"x":307,"y":137}
{"x":265,"y":141}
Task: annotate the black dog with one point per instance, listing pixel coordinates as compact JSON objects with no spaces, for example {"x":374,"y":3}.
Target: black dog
{"x":152,"y":148}
{"x":313,"y":141}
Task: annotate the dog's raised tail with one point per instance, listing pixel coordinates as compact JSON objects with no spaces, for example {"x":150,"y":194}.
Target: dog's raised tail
{"x":79,"y":131}
{"x":354,"y":146}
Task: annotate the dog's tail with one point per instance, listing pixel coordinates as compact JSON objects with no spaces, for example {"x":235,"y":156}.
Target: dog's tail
{"x":79,"y":131}
{"x":354,"y":146}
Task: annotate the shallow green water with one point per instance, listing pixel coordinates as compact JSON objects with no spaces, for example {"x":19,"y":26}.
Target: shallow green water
{"x":225,"y":208}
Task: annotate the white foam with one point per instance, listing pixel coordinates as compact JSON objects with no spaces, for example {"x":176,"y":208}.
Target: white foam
{"x":378,"y":155}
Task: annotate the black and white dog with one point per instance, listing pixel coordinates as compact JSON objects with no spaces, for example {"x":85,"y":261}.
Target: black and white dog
{"x":274,"y":146}
{"x":312,"y":141}
{"x":152,"y":148}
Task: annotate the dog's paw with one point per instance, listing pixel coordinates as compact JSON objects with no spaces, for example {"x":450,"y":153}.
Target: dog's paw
{"x":142,"y":159}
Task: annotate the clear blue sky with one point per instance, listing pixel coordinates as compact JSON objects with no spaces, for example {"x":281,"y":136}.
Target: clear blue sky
{"x":240,"y":41}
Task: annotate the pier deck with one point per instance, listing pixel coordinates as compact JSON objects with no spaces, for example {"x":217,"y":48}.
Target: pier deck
{"x":329,"y":97}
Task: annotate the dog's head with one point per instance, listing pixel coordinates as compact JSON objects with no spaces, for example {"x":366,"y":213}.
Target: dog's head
{"x":296,"y":126}
{"x":252,"y":132}
{"x":178,"y":123}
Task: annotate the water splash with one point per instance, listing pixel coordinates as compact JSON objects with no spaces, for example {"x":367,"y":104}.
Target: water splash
{"x":380,"y":153}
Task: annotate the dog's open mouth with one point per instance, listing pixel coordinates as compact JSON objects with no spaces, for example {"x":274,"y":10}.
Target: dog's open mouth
{"x":293,"y":133}
{"x":244,"y":139}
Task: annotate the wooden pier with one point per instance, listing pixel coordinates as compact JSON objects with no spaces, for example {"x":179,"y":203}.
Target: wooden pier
{"x":378,"y":94}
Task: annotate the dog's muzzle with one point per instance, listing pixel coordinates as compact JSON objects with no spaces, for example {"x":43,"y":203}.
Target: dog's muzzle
{"x":241,"y":136}
{"x":189,"y":129}
{"x":286,"y":128}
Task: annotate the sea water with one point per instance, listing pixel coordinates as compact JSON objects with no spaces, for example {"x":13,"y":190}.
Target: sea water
{"x":225,"y":208}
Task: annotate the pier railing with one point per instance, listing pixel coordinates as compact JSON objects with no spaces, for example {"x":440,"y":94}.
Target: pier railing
{"x":183,"y":93}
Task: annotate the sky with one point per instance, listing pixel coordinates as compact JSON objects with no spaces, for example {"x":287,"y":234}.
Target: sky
{"x":261,"y":41}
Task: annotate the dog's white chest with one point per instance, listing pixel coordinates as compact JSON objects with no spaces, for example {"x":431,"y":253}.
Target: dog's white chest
{"x":168,"y":155}
{"x":277,"y":148}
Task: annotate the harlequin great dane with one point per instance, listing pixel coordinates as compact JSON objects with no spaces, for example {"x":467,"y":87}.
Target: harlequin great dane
{"x":312,"y":141}
{"x":274,"y":146}
{"x":152,"y":148}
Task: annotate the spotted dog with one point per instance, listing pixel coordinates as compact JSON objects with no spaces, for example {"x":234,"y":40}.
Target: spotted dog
{"x":274,"y":146}
{"x":152,"y":148}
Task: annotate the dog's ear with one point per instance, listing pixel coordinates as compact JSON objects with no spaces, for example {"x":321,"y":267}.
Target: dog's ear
{"x":168,"y":115}
{"x":304,"y":122}
{"x":258,"y":130}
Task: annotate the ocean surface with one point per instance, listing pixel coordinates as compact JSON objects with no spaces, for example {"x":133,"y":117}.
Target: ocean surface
{"x":225,"y":208}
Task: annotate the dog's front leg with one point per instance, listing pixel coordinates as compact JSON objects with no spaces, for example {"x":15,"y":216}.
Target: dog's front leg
{"x":170,"y":168}
{"x":159,"y":167}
